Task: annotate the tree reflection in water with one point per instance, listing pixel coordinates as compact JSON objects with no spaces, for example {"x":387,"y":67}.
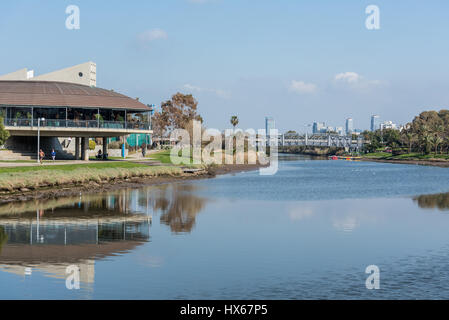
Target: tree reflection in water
{"x":3,"y":237}
{"x":432,"y":201}
{"x":178,"y":206}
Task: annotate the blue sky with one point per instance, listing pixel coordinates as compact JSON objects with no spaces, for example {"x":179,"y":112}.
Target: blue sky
{"x":297,"y":61}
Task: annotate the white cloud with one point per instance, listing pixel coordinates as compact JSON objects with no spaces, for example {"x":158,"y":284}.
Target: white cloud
{"x":219,"y":92}
{"x":355,"y":80}
{"x":302,"y":87}
{"x":151,"y":35}
{"x":349,"y":77}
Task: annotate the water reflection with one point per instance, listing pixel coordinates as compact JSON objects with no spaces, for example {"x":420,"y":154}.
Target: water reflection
{"x":433,"y":201}
{"x":178,"y":206}
{"x":51,"y":235}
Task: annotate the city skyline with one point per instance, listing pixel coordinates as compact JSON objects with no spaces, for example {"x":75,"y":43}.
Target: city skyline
{"x":320,"y":126}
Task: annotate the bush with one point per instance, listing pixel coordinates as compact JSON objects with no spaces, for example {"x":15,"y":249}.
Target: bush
{"x":92,"y":145}
{"x":4,"y":134}
{"x":114,"y":145}
{"x":399,"y":151}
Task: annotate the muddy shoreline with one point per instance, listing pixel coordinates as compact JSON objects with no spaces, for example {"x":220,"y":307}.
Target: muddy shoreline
{"x":94,"y":187}
{"x":441,"y":164}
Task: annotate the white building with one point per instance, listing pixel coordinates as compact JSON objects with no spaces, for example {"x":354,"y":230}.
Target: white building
{"x":388,"y":125}
{"x":340,"y":131}
{"x":85,"y":74}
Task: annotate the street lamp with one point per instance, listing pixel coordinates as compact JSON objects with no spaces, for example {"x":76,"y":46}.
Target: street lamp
{"x":39,"y":137}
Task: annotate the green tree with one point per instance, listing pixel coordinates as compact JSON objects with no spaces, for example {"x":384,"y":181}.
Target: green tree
{"x":291,"y":134}
{"x":408,"y":137}
{"x":4,"y":134}
{"x":391,"y":137}
{"x":234,"y":121}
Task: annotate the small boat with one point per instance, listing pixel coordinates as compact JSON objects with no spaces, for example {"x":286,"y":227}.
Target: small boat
{"x":347,"y":158}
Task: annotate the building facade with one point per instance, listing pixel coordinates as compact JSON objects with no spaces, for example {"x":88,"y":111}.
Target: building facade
{"x":375,"y":123}
{"x":349,"y":126}
{"x":318,"y":127}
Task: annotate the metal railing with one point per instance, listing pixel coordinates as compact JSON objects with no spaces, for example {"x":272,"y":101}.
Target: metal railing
{"x":57,"y":123}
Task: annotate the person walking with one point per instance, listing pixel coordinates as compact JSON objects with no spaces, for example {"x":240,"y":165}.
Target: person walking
{"x":41,"y":156}
{"x":53,"y":154}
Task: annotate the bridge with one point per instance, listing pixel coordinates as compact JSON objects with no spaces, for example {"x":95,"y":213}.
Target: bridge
{"x":322,"y":140}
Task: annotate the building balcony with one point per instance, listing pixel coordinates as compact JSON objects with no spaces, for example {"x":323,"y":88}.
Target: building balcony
{"x":72,"y":128}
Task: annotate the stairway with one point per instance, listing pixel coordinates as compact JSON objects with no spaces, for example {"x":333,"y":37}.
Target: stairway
{"x":25,"y":148}
{"x":7,"y":155}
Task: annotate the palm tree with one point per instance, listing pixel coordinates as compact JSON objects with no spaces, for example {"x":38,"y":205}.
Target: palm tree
{"x":436,"y":141}
{"x":234,"y":121}
{"x":408,"y":136}
{"x":438,"y":135}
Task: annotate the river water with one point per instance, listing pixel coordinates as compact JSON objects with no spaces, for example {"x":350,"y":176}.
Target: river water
{"x":308,"y":232}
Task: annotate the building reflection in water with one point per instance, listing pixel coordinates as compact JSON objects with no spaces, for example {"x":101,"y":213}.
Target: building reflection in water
{"x":433,"y":201}
{"x":51,"y":235}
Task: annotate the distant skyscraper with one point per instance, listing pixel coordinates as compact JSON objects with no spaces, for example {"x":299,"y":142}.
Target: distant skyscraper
{"x":349,"y":126}
{"x":375,"y":123}
{"x":269,"y":124}
{"x":319,"y":127}
{"x":340,"y":131}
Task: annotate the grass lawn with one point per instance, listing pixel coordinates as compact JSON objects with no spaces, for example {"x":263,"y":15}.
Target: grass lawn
{"x":164,"y":157}
{"x":377,"y":155}
{"x":407,"y":156}
{"x":72,"y":167}
{"x":47,"y":176}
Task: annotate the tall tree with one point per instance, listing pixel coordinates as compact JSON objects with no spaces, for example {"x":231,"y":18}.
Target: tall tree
{"x":234,"y":121}
{"x":176,"y":113}
{"x":408,"y":137}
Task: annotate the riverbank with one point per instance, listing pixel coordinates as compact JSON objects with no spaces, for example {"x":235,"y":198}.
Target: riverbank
{"x":40,"y":183}
{"x":434,"y":163}
{"x":311,"y":151}
{"x":409,"y":158}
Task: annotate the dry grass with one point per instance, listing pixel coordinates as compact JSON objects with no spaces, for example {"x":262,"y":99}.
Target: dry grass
{"x":10,"y":181}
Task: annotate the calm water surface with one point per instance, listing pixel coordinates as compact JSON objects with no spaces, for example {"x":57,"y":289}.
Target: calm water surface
{"x":308,"y":232}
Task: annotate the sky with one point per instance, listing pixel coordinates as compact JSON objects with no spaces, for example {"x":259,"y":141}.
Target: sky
{"x":296,"y":61}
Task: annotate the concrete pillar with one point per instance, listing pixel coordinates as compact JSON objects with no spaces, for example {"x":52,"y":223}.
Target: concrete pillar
{"x":77,"y":148}
{"x":105,"y":146}
{"x":82,"y":148}
{"x":85,"y":149}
